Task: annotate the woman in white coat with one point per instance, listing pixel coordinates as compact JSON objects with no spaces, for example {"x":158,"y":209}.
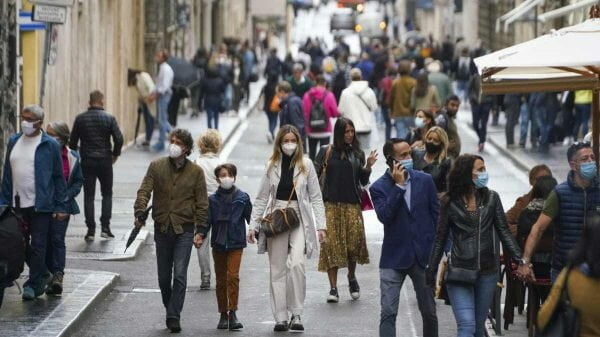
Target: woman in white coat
{"x":287,"y":168}
{"x":209,"y":144}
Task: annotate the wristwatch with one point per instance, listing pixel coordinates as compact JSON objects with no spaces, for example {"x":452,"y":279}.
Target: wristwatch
{"x":523,"y":262}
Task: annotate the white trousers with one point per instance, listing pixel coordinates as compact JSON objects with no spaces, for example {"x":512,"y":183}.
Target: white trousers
{"x":288,"y":277}
{"x":204,"y":257}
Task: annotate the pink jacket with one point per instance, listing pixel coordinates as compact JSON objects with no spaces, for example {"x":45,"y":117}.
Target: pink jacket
{"x":330,"y":105}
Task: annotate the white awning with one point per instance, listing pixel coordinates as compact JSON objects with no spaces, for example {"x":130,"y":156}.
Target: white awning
{"x":566,"y":10}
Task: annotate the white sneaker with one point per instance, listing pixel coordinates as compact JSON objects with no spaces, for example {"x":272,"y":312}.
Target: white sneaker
{"x":567,"y":141}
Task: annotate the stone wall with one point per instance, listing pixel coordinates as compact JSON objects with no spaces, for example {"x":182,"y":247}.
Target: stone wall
{"x":8,"y":72}
{"x":98,"y":43}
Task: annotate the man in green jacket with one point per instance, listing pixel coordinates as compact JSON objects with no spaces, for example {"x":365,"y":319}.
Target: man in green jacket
{"x":300,"y":83}
{"x":179,"y":211}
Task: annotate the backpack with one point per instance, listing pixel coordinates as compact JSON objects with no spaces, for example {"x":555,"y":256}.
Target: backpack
{"x":318,"y":116}
{"x":12,"y":246}
{"x":272,"y":70}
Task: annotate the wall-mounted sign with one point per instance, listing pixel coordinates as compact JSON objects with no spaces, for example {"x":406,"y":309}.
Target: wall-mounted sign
{"x":67,"y":3}
{"x":27,"y":25}
{"x":53,"y":14}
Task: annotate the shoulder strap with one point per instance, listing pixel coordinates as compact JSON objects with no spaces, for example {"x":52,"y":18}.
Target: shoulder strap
{"x":363,"y":100}
{"x":292,"y":193}
{"x":326,"y":161}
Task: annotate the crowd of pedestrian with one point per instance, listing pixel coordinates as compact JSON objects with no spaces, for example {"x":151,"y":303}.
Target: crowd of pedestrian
{"x":44,"y":170}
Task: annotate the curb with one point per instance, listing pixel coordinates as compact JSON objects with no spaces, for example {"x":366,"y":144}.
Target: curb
{"x":521,"y":164}
{"x":135,"y":248}
{"x":90,"y":307}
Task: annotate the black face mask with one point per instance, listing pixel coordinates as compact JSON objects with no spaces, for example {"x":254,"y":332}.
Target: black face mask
{"x":432,"y":148}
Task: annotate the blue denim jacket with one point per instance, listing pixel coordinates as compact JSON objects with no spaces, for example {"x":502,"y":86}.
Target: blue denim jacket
{"x":231,"y":234}
{"x":50,"y":186}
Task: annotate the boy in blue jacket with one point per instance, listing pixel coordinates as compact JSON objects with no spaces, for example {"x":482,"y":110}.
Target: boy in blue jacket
{"x":229,"y":213}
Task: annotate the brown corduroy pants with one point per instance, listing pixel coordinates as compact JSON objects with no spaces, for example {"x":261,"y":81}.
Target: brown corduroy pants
{"x":227,"y":273}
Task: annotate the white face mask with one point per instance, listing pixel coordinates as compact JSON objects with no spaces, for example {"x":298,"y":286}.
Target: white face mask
{"x":289,"y":148}
{"x":175,"y":151}
{"x":28,"y":128}
{"x":226,"y":182}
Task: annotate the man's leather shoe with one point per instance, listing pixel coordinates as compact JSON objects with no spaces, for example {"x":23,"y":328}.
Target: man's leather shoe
{"x":173,"y":325}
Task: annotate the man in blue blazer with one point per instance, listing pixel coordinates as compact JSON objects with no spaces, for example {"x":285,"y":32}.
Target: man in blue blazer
{"x":407,"y":204}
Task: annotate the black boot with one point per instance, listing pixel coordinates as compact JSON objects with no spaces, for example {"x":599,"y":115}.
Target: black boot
{"x":223,"y":321}
{"x":234,"y":324}
{"x":173,"y":325}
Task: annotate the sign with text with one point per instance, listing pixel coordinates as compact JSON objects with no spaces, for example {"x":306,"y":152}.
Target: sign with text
{"x":52,"y":14}
{"x":67,"y":3}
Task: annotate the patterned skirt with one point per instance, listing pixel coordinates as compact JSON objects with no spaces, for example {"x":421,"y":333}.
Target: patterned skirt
{"x":346,"y":239}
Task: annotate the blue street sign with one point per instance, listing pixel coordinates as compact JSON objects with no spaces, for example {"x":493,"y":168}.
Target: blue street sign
{"x":26,"y":24}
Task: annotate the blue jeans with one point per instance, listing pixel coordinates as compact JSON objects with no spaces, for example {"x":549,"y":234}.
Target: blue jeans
{"x":545,"y":121}
{"x":481,"y":114}
{"x":582,"y":119}
{"x":148,"y":121}
{"x":163,"y":120}
{"x":228,"y":97}
{"x":385,"y":115}
{"x":272,"y":122}
{"x":212,"y":117}
{"x":462,"y":89}
{"x":471,"y":304}
{"x":39,"y":225}
{"x":403,"y":125}
{"x":173,"y":257}
{"x":391,"y":281}
{"x":528,"y":115}
{"x":56,"y":251}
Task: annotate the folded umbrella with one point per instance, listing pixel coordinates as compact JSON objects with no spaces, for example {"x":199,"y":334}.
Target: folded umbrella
{"x":136,"y":230}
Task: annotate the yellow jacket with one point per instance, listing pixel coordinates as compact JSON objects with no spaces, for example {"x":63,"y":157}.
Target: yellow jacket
{"x":584,"y":293}
{"x":400,"y":96}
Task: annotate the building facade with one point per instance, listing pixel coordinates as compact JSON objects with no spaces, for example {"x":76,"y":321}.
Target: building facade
{"x":8,"y":72}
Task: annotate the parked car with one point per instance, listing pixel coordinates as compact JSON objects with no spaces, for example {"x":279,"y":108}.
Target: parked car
{"x":371,"y":24}
{"x":342,"y":19}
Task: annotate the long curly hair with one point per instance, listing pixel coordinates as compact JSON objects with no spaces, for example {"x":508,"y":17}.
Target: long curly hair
{"x":460,"y":181}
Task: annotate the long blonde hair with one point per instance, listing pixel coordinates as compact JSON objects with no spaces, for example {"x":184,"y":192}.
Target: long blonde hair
{"x":443,"y":136}
{"x":298,"y":159}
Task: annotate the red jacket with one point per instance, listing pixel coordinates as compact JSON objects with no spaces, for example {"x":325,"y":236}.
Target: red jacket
{"x":329,"y":103}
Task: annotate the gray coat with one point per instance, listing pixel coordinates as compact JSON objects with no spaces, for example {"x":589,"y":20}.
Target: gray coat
{"x":310,"y":202}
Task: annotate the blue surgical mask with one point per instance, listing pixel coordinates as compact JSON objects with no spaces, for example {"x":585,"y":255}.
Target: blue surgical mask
{"x":407,"y":164}
{"x":419,"y":123}
{"x":481,"y":180}
{"x":588,"y":170}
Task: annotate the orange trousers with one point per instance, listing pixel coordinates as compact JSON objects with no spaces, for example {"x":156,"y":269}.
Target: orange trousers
{"x":227,"y":273}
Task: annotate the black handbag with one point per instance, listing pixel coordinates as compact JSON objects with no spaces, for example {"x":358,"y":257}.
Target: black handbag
{"x":461,"y":275}
{"x":565,"y":319}
{"x":280,"y":220}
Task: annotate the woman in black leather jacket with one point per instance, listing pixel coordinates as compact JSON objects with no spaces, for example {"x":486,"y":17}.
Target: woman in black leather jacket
{"x":474,"y":216}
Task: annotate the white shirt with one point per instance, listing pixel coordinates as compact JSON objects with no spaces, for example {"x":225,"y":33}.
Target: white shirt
{"x":144,"y":84}
{"x":22,"y":165}
{"x":407,"y":187}
{"x":164,"y":81}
